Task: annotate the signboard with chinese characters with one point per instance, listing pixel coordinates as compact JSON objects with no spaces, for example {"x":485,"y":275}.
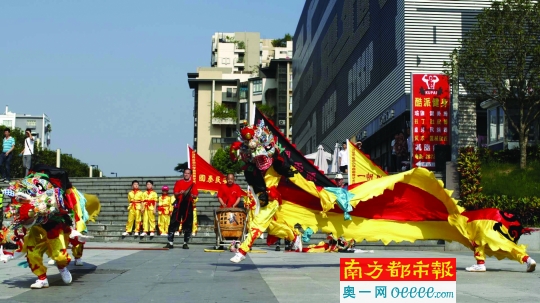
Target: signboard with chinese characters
{"x":430,"y":117}
{"x":398,"y":280}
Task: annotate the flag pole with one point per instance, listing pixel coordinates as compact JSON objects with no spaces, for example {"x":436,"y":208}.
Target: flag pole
{"x":189,"y":158}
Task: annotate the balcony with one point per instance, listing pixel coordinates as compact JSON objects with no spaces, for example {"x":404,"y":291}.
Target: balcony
{"x":239,"y":62}
{"x":223,"y":140}
{"x":223,"y":121}
{"x":229,"y":96}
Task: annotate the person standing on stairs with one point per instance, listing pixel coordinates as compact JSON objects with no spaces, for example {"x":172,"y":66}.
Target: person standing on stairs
{"x":149,"y":209}
{"x":135,"y":199}
{"x":164,"y":210}
{"x":186,"y":193}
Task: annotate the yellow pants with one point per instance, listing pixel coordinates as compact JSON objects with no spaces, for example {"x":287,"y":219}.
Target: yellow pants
{"x":259,"y":224}
{"x":149,"y":219}
{"x":163,"y":222}
{"x":516,"y":255}
{"x":77,"y":250}
{"x":37,"y":243}
{"x":134,"y":216}
{"x":281,"y":230}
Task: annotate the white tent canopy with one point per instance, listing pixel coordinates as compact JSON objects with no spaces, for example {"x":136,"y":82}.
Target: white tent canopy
{"x":321,"y":159}
{"x":334,"y":167}
{"x":313,"y":156}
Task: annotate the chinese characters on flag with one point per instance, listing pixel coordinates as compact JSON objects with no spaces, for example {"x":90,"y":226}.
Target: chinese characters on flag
{"x":430,"y":117}
{"x":205,"y":175}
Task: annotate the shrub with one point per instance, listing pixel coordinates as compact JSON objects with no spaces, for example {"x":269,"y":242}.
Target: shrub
{"x":527,"y":209}
{"x":472,"y":197}
{"x":468,"y":167}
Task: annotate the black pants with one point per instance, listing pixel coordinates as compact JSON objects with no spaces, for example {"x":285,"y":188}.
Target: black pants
{"x":5,"y":161}
{"x":183,"y":213}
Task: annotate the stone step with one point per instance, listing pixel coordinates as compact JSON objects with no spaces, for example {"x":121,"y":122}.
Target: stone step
{"x":114,"y":205}
{"x":124,"y":196}
{"x":211,"y":241}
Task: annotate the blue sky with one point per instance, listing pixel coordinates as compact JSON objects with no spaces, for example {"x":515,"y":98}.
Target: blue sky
{"x":111,"y":75}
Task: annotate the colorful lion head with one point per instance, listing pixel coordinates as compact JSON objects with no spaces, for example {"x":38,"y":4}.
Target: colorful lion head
{"x":256,"y":144}
{"x":34,"y":200}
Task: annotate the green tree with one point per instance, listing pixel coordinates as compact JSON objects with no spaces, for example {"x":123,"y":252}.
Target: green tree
{"x":222,"y":162}
{"x":282,"y":42}
{"x":499,"y":59}
{"x":267,"y":110}
{"x":222,"y":111}
{"x":181,"y":167}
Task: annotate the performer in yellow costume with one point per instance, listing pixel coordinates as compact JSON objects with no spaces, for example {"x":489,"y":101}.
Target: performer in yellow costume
{"x":164,"y":211}
{"x":135,"y":199}
{"x":47,"y":211}
{"x":149,"y":209}
{"x":408,"y":206}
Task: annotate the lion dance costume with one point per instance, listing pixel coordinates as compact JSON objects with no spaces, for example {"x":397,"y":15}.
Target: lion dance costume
{"x":407,"y":206}
{"x":48,"y":215}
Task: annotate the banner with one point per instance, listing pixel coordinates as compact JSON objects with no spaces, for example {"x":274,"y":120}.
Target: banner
{"x":205,"y":175}
{"x":430,"y":117}
{"x":294,"y":156}
{"x":361,"y":168}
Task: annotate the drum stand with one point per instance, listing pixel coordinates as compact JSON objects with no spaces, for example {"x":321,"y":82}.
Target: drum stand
{"x":219,"y":239}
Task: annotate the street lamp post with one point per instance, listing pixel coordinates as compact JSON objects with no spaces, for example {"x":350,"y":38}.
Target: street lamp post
{"x":115,"y":174}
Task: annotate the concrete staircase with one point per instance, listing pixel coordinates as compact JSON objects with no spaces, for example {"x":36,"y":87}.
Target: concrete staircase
{"x":111,"y":222}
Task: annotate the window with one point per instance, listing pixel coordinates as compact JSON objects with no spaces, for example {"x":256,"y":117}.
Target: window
{"x":290,"y":103}
{"x":501,"y":124}
{"x":257,"y":87}
{"x":243,"y":91}
{"x":225,"y":60}
{"x":228,"y":132}
{"x":492,"y":120}
{"x":31,"y":123}
{"x":243,"y":111}
{"x":495,"y":124}
{"x":229,"y":92}
{"x":7,"y":123}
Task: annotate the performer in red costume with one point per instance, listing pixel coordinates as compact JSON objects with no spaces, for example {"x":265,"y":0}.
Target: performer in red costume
{"x":186,"y":193}
{"x":230,"y":194}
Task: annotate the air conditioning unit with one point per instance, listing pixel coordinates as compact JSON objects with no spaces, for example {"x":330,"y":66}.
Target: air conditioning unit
{"x":282,"y":122}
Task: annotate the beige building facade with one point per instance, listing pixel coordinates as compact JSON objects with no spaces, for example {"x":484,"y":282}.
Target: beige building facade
{"x":226,"y":93}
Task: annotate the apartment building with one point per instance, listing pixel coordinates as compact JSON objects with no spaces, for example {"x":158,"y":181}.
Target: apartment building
{"x":245,"y":72}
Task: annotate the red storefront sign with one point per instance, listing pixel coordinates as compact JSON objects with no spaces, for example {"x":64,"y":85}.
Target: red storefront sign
{"x":430,"y":117}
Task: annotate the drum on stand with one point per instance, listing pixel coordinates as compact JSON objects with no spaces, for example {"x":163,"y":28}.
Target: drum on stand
{"x":229,"y":224}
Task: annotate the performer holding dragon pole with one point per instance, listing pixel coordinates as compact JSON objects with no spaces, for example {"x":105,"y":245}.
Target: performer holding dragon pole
{"x":263,"y":171}
{"x":186,"y":193}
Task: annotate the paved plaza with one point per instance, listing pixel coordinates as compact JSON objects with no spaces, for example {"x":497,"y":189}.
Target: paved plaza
{"x":125,"y":275}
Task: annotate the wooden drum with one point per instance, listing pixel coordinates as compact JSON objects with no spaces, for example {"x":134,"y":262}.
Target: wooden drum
{"x":231,"y":222}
